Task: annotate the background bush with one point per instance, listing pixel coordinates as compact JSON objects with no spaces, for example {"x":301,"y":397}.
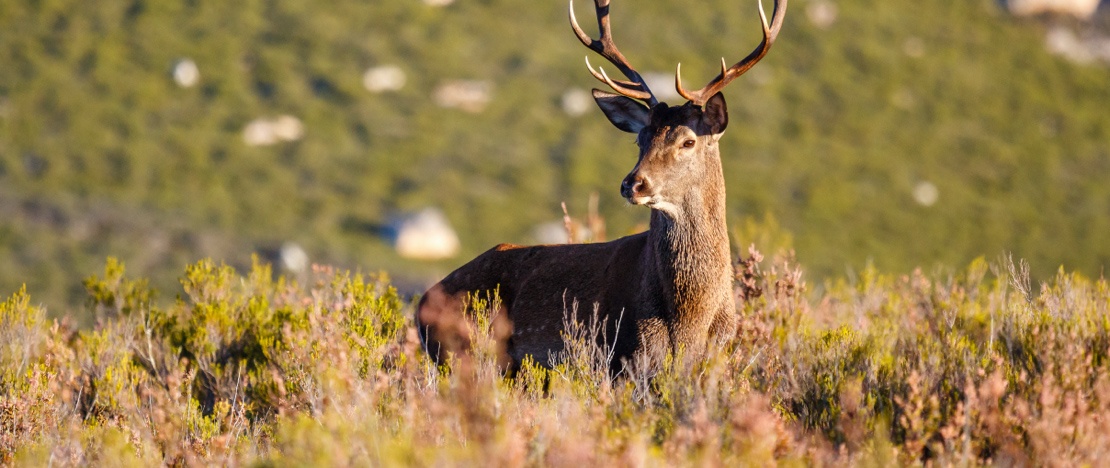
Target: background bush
{"x":102,"y":154}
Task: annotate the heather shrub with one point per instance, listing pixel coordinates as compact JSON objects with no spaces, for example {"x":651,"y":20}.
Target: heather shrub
{"x":971,"y":366}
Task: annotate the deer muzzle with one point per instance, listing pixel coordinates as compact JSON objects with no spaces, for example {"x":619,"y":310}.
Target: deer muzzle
{"x":636,"y":189}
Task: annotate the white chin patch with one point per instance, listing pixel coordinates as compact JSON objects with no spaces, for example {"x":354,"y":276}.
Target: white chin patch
{"x":655,"y":203}
{"x":666,"y":207}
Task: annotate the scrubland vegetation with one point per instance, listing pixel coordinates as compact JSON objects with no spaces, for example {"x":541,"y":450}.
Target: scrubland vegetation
{"x":974,"y":366}
{"x":101,"y":153}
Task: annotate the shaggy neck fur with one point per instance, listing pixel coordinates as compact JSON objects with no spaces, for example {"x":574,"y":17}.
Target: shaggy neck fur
{"x":693,"y":258}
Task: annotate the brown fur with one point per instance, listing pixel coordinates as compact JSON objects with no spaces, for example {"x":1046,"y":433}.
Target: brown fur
{"x":668,"y":287}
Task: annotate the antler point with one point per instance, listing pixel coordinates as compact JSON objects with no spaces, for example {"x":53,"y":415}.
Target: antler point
{"x":608,"y":80}
{"x":635,"y":88}
{"x":763,"y":17}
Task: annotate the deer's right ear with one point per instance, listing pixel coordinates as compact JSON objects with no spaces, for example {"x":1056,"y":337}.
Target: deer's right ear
{"x":626,"y":113}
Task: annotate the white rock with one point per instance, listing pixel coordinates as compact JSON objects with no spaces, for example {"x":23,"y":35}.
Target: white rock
{"x":259,"y":132}
{"x":384,"y":78}
{"x":555,"y":232}
{"x":821,"y":13}
{"x":1093,"y":47}
{"x":1063,"y":42}
{"x":925,"y":193}
{"x":265,"y":132}
{"x":552,"y":232}
{"x":1082,"y":9}
{"x":287,"y":128}
{"x":662,"y":85}
{"x":293,"y":257}
{"x":466,"y":95}
{"x":426,"y":235}
{"x":185,"y":73}
{"x":576,"y":101}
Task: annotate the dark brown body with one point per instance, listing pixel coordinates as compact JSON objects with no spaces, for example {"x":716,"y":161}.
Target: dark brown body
{"x":538,"y":285}
{"x":670,"y":286}
{"x":654,"y":292}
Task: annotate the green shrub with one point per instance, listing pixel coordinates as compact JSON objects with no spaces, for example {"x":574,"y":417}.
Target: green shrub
{"x":975,"y":366}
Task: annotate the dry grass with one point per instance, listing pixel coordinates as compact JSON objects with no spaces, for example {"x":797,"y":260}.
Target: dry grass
{"x":979,"y":366}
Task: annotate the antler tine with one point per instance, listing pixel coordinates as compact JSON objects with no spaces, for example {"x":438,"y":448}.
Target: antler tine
{"x":770,"y":32}
{"x":636,"y":87}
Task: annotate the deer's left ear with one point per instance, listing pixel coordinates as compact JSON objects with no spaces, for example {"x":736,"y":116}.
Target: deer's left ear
{"x":626,"y":114}
{"x":715,"y":115}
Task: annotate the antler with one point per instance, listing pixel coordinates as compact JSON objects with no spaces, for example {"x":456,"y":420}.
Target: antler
{"x":637,"y":88}
{"x":700,"y":96}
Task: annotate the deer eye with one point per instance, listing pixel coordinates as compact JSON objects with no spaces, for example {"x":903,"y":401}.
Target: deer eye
{"x":688,"y":144}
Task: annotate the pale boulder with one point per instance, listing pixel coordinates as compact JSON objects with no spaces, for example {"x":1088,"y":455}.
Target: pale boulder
{"x":425,"y":235}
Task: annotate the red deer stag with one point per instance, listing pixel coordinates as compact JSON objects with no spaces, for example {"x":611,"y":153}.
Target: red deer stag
{"x":655,"y":291}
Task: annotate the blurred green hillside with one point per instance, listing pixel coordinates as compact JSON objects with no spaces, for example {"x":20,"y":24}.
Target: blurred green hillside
{"x":102,"y":153}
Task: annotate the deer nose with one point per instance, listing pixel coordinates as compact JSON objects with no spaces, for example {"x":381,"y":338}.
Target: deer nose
{"x":633,"y":185}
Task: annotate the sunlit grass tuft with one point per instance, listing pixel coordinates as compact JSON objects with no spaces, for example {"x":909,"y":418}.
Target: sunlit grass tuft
{"x":975,"y":366}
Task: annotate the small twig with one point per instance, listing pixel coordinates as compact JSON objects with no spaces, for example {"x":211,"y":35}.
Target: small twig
{"x":567,"y":223}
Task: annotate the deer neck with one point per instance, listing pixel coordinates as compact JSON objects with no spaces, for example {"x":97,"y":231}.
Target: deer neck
{"x":692,"y":256}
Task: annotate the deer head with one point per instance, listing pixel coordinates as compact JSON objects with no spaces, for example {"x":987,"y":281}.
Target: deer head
{"x":678,"y":145}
